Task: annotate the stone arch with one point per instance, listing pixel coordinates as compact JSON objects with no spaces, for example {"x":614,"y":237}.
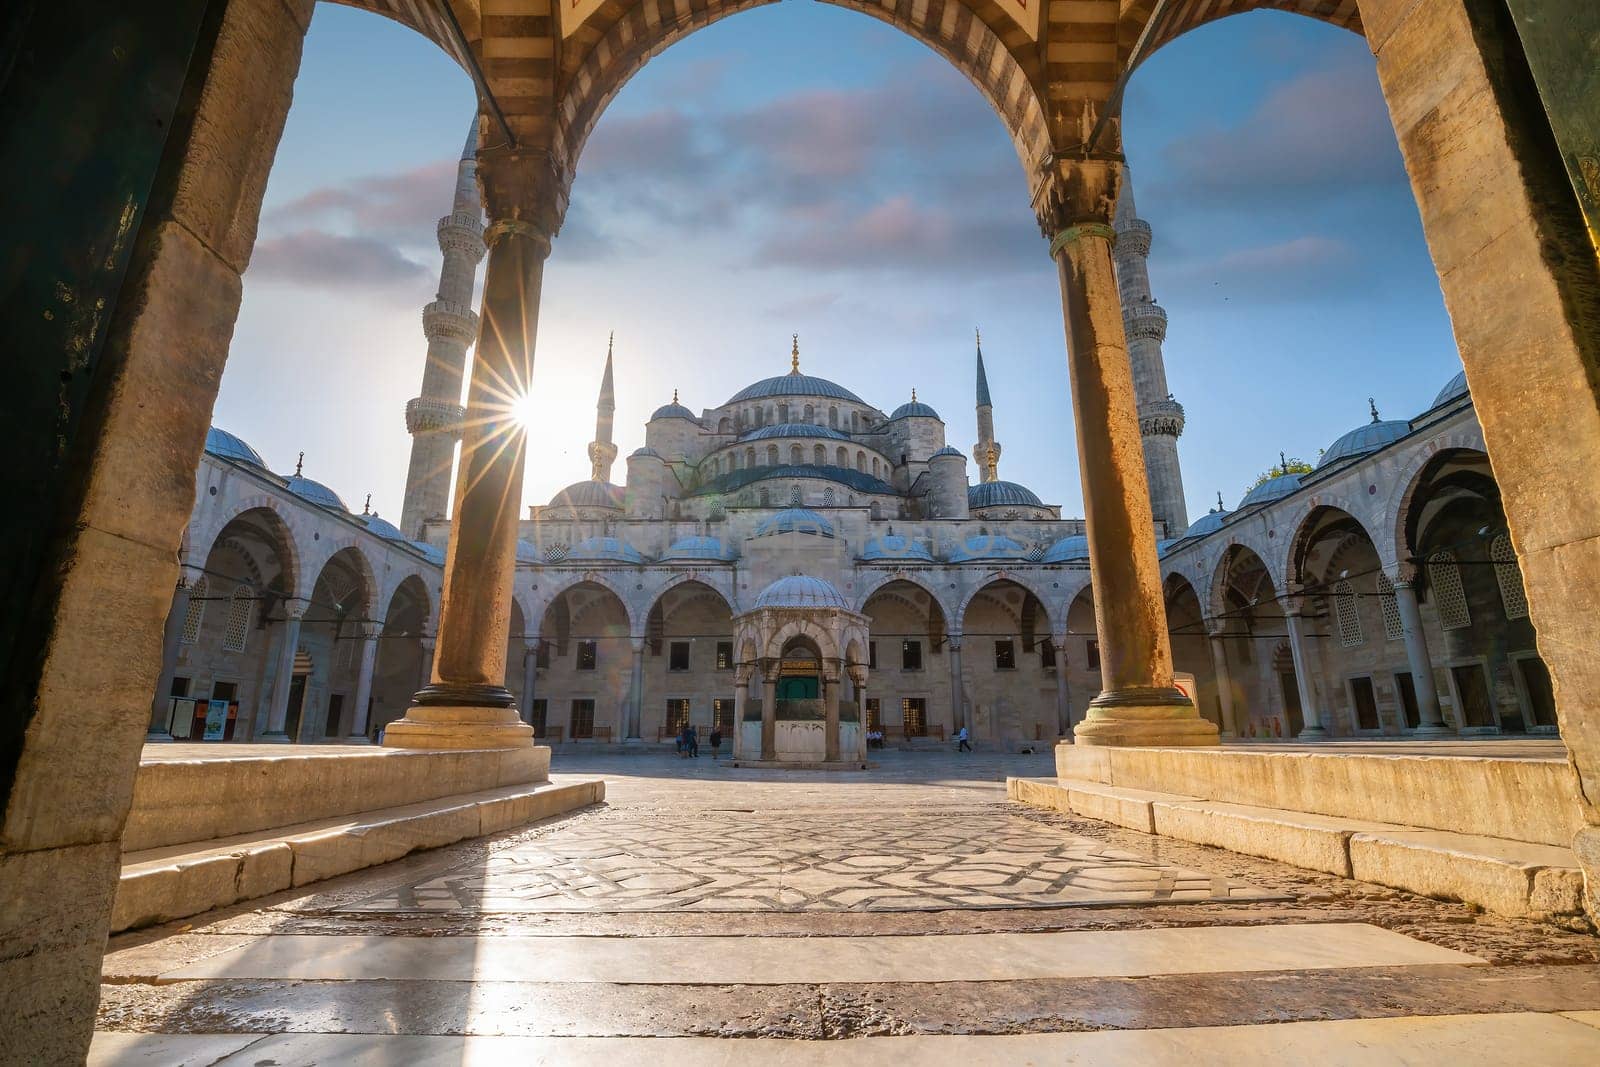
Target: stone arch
{"x":921,"y":581}
{"x":415,"y":586}
{"x":1025,"y":581}
{"x":1311,"y":521}
{"x":364,"y":566}
{"x":1226,"y":563}
{"x":964,"y":38}
{"x":541,"y":605}
{"x":201,"y":542}
{"x":722,"y":590}
{"x":1411,"y":478}
{"x":807,"y":628}
{"x":1186,"y":15}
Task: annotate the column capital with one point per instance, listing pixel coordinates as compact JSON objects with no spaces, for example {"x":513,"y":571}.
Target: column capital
{"x":1076,"y":198}
{"x":1216,"y":628}
{"x":638,"y":644}
{"x":1402,"y":574}
{"x":427,"y":641}
{"x":524,"y":192}
{"x":294,"y":609}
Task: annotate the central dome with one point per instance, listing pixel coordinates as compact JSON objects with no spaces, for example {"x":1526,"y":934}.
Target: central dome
{"x":801,"y":591}
{"x":795,"y":384}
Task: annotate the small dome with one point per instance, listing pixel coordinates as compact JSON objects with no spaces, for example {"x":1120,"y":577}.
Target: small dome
{"x":1274,"y":488}
{"x":607,"y":549}
{"x":433,"y":554}
{"x":1454,"y":389}
{"x":644,"y":453}
{"x":986,"y":546}
{"x":700,"y":548}
{"x":895,"y":547}
{"x":1067,"y":550}
{"x":589,"y":494}
{"x":795,"y":520}
{"x":315,"y":492}
{"x":793,"y":429}
{"x":1207,"y":524}
{"x":947,"y":450}
{"x":795,"y":384}
{"x":673,"y":410}
{"x":914,"y":410}
{"x":801,"y":591}
{"x":527,"y":551}
{"x":1364,"y":440}
{"x":225,"y":445}
{"x":997,"y":494}
{"x":383,"y":528}
{"x":1164,"y":545}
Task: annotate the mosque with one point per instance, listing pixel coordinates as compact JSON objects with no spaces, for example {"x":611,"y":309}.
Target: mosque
{"x":799,"y":545}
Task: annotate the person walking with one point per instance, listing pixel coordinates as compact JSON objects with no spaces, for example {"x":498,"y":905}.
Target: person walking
{"x":961,"y":741}
{"x":716,"y":740}
{"x":694,"y":742}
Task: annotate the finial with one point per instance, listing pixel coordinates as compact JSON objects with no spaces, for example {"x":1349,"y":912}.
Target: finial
{"x":1373,"y":407}
{"x":609,"y":342}
{"x":913,"y":394}
{"x":674,"y":396}
{"x":366,"y":509}
{"x":977,"y":336}
{"x":298,"y":464}
{"x":1219,"y":501}
{"x":1283,"y":463}
{"x":794,"y":356}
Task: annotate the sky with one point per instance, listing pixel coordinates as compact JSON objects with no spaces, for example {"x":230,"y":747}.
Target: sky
{"x":800,"y":168}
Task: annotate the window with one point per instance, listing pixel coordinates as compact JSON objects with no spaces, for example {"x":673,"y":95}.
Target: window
{"x":772,"y":455}
{"x":1406,"y":686}
{"x":1509,"y":577}
{"x":330,"y":728}
{"x":827,"y":497}
{"x":196,"y":612}
{"x":677,"y":714}
{"x":538,"y":712}
{"x":724,"y":655}
{"x":750,"y":457}
{"x":587,"y":655}
{"x":795,"y":497}
{"x":833,"y":421}
{"x":1047,"y":655}
{"x":1344,"y":603}
{"x":796,"y":455}
{"x":1472,"y":686}
{"x":180,"y":686}
{"x":1449,"y":598}
{"x":541,"y":658}
{"x":766,"y":497}
{"x":911,"y":655}
{"x":872,"y":655}
{"x":861,"y":463}
{"x":819,"y":455}
{"x":783,"y":412}
{"x":722,"y":714}
{"x":842,"y":457}
{"x":1094,"y":655}
{"x":238,"y":628}
{"x":1393,"y":629}
{"x":811,"y":413}
{"x":1005,"y":655}
{"x":875,"y":466}
{"x":678,"y":656}
{"x":582,"y":719}
{"x":874,"y":714}
{"x":1366,"y":704}
{"x":914,"y":713}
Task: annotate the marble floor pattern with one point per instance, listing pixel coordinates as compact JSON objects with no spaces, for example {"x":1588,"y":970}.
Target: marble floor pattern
{"x":711,"y":916}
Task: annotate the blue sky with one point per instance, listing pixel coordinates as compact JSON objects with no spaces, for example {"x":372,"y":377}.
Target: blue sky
{"x":802,"y":169}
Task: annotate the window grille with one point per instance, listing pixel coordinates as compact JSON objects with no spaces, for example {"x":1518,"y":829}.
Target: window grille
{"x":1344,"y":600}
{"x":1509,"y":577}
{"x":1393,"y":629}
{"x":914,"y":713}
{"x":795,"y":498}
{"x":196,"y":612}
{"x":827,"y":497}
{"x":1449,"y":597}
{"x":238,"y":628}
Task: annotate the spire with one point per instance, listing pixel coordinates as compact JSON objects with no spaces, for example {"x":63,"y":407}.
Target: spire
{"x":913,"y":394}
{"x":608,"y":395}
{"x":602,"y":452}
{"x":1220,"y":507}
{"x":1372,"y":406}
{"x":987,"y":451}
{"x":674,"y":395}
{"x":470,"y":150}
{"x":983,"y":379}
{"x":366,"y":508}
{"x":298,"y":463}
{"x":794,"y":356}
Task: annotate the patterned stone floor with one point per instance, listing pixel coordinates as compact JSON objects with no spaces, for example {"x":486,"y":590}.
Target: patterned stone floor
{"x":733,"y":862}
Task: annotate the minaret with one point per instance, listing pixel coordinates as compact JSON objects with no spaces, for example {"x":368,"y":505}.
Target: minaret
{"x":1160,"y":416}
{"x":451,"y":326}
{"x":986,"y":453}
{"x":602,"y":453}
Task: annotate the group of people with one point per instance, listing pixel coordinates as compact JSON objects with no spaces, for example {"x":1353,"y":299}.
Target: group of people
{"x":688,"y":742}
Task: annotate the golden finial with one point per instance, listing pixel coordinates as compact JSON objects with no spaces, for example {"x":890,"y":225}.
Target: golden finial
{"x":674,"y":396}
{"x":977,"y":336}
{"x":794,"y":356}
{"x":913,"y":394}
{"x":298,"y":464}
{"x":366,"y":509}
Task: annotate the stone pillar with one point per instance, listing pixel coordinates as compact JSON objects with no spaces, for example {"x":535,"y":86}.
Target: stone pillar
{"x":635,"y":705}
{"x":741,"y":697}
{"x":427,"y":643}
{"x":171,"y":637}
{"x":859,"y":679}
{"x":1309,"y":712}
{"x":369,"y":656}
{"x":1219,"y":662}
{"x":830,"y":721}
{"x":278,"y":713}
{"x":1063,"y":691}
{"x":958,"y":702}
{"x":530,"y":671}
{"x":1430,"y":718}
{"x":769,"y":716}
{"x":466,"y":705}
{"x":1139,"y":705}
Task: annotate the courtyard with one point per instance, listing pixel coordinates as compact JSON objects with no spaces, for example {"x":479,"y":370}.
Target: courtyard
{"x":905,"y":914}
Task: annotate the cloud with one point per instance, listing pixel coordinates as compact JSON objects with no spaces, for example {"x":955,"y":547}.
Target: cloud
{"x":897,"y":234}
{"x":1306,"y":267}
{"x":401,"y":207}
{"x":317,"y":258}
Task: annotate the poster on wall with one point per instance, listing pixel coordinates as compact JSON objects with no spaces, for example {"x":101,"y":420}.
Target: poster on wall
{"x":216,"y":720}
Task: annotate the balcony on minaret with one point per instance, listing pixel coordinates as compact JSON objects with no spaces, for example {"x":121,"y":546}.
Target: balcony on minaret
{"x":1133,"y":237}
{"x":1145,"y":321}
{"x":1162,"y":418}
{"x":448,"y":320}
{"x":461,"y":232}
{"x":427,"y":415}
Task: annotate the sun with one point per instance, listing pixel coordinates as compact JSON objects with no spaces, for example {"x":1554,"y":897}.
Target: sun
{"x":522,"y":410}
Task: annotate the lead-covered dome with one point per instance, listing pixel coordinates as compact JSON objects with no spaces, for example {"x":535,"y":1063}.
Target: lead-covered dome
{"x":916,"y":409}
{"x":801,"y":591}
{"x":432,"y":553}
{"x":1454,"y":389}
{"x":986,"y":546}
{"x":225,"y":445}
{"x":711,"y":548}
{"x":589,"y":494}
{"x":1274,"y":488}
{"x":895,"y":547}
{"x":1207,"y":524}
{"x":604,"y":549}
{"x":1001,"y":494}
{"x":795,"y":520}
{"x":315,"y":492}
{"x":950,"y":450}
{"x":383,"y":528}
{"x":795,"y":384}
{"x":1067,"y":550}
{"x":674,"y":410}
{"x":1364,"y":440}
{"x":793,"y":429}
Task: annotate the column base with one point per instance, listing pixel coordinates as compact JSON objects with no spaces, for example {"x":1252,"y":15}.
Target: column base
{"x":1312,"y":733}
{"x":273,"y":737}
{"x":1162,"y":720}
{"x":1433,"y":732}
{"x":441,"y":727}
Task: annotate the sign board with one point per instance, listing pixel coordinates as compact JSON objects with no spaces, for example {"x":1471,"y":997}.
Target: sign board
{"x":216,"y":720}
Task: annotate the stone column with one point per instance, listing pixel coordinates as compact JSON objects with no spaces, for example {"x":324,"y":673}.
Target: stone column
{"x":769,"y":715}
{"x":1431,"y":720}
{"x":830,"y":717}
{"x":1219,"y":663}
{"x":635,"y":713}
{"x":369,"y":656}
{"x":278,"y":713}
{"x":1139,"y":705}
{"x":741,"y":697}
{"x":1309,"y":712}
{"x":530,"y":671}
{"x":171,"y":637}
{"x":859,"y":679}
{"x":466,"y":704}
{"x":1063,"y":691}
{"x":427,"y":644}
{"x":958,"y":702}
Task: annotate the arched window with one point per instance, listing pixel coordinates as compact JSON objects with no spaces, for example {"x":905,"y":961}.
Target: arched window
{"x":766,"y":497}
{"x":783,"y":412}
{"x":875,"y":466}
{"x":772,"y":455}
{"x":749,"y":457}
{"x":874,"y":511}
{"x":1393,"y":630}
{"x":1344,"y":602}
{"x":196,"y":612}
{"x":853,"y":422}
{"x":725,"y":425}
{"x":769,"y":413}
{"x":819,"y":455}
{"x":1509,"y":577}
{"x":861,"y":462}
{"x":811,"y":413}
{"x":797,"y":455}
{"x":795,"y":496}
{"x":1449,"y":598}
{"x":842,"y":457}
{"x":833,"y":418}
{"x":827,"y":497}
{"x":238,"y":628}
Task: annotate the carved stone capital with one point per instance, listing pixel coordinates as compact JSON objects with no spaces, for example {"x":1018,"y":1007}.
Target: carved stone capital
{"x":425,"y":415}
{"x":1075,"y":197}
{"x":1161,"y":418}
{"x":524,"y":191}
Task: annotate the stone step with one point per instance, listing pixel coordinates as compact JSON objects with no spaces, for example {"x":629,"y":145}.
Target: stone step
{"x":1513,"y":878}
{"x":176,"y":881}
